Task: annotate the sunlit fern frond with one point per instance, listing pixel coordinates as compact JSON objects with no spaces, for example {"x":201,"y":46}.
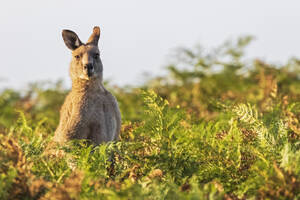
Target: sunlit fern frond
{"x":246,"y":113}
{"x":249,"y":115}
{"x":24,"y":127}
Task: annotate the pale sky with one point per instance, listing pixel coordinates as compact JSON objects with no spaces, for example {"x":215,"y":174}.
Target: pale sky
{"x":137,"y":35}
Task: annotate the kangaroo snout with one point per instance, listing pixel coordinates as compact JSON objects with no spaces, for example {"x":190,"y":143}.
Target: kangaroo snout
{"x":89,"y":69}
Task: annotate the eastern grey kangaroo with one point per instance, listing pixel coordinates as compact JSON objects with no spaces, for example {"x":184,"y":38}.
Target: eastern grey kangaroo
{"x":89,"y":111}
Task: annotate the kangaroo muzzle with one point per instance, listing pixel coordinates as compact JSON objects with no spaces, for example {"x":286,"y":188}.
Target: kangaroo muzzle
{"x":89,"y":68}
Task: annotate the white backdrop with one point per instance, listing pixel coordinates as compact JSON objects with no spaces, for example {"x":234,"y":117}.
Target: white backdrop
{"x":136,"y":35}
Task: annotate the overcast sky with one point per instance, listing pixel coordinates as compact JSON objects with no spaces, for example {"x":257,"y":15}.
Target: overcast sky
{"x":137,"y":35}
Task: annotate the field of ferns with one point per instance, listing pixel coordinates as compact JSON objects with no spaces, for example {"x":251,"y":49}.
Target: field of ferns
{"x":216,"y":126}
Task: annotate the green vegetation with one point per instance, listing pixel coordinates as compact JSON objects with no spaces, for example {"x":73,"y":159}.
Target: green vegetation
{"x":217,"y":126}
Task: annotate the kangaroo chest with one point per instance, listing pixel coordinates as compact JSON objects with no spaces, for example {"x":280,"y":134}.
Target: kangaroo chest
{"x":95,"y":106}
{"x":101,"y":117}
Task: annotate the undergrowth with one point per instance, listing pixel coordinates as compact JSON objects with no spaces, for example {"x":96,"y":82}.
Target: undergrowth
{"x":196,"y":134}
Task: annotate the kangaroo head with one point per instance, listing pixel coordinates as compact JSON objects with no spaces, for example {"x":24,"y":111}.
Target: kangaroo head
{"x":86,"y":63}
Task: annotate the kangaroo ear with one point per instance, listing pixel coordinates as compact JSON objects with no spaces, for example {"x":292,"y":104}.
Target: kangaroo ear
{"x":71,"y":39}
{"x":94,"y":38}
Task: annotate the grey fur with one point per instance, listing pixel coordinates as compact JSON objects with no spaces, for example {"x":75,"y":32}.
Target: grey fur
{"x":89,"y":111}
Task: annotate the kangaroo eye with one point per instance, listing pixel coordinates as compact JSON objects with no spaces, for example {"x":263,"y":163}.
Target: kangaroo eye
{"x":96,"y":55}
{"x":77,"y":57}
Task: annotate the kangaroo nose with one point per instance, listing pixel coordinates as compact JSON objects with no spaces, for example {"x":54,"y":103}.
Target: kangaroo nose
{"x":89,"y":69}
{"x":89,"y":66}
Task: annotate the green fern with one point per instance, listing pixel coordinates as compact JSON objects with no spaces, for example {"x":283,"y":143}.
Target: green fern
{"x":249,"y":115}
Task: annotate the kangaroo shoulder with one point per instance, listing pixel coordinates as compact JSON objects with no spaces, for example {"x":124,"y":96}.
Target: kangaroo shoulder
{"x":109,"y":95}
{"x":112,"y":99}
{"x":67,"y":104}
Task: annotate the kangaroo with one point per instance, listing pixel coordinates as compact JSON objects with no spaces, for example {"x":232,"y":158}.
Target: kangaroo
{"x":89,"y":111}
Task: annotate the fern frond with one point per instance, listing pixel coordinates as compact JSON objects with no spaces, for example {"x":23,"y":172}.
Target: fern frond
{"x":23,"y":127}
{"x":249,"y":115}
